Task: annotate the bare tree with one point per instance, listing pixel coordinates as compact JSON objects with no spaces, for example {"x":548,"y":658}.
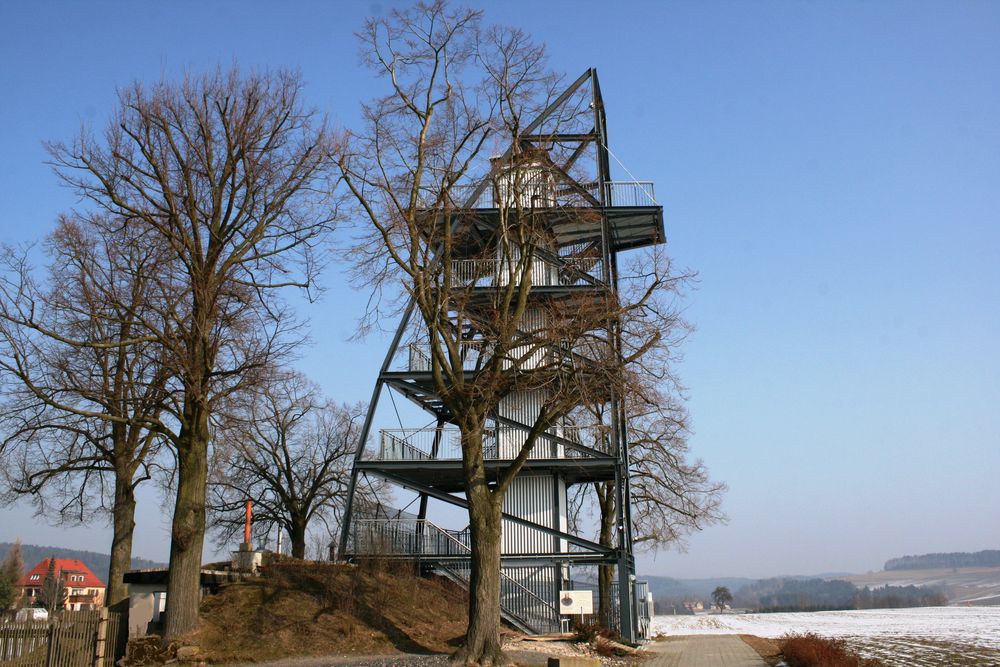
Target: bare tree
{"x":457,"y":90}
{"x":227,"y":172}
{"x":671,"y":496}
{"x":85,"y":386}
{"x":290,"y":452}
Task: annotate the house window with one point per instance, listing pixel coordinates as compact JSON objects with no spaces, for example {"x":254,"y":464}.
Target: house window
{"x":35,"y":577}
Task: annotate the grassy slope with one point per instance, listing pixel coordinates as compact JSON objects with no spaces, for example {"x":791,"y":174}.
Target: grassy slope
{"x":325,"y":609}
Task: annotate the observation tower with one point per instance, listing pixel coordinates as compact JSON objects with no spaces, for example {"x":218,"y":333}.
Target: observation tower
{"x":553,"y":194}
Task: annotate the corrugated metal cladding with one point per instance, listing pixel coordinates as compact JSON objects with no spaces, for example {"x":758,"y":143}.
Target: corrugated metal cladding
{"x":544,"y":273}
{"x":532,"y":355}
{"x":522,"y":407}
{"x":533,"y":320}
{"x":533,"y":498}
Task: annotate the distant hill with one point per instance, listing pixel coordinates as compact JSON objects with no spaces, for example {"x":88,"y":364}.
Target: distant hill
{"x":964,"y":585}
{"x":668,"y":587}
{"x":97,"y":562}
{"x":937,"y":561}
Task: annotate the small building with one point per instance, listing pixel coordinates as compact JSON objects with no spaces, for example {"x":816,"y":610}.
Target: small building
{"x":147,"y":596}
{"x":84,"y":590}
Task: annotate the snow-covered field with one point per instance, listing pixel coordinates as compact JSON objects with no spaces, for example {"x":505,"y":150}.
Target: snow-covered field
{"x":910,"y":637}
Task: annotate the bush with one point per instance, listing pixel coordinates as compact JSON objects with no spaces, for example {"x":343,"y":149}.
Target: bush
{"x":590,"y":630}
{"x":811,"y":650}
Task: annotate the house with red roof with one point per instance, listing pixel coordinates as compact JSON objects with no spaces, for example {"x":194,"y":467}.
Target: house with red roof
{"x":84,"y":590}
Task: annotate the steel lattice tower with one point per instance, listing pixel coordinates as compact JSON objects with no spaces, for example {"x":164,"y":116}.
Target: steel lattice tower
{"x":589,"y":219}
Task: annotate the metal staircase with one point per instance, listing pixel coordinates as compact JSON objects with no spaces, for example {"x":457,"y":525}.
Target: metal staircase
{"x":447,"y":553}
{"x":579,"y":223}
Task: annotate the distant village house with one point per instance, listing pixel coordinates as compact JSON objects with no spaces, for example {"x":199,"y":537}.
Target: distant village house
{"x":84,"y":590}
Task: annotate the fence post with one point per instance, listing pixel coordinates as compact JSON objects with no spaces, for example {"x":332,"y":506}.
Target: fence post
{"x":50,"y":654}
{"x":100,"y":637}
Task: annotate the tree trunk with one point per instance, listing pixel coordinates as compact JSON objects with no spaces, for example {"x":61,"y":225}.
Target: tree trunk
{"x":188,"y":529}
{"x":482,"y":646}
{"x":605,"y":573}
{"x":123,"y":519}
{"x":605,"y":577}
{"x":298,"y":537}
{"x":482,"y":642}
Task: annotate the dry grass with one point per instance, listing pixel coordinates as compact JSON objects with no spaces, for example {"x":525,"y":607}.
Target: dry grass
{"x":810,"y":650}
{"x":311,"y":609}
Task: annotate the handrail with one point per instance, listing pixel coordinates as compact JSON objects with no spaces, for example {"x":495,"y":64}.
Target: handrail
{"x":499,"y":443}
{"x":524,"y":611}
{"x":560,"y":271}
{"x":531,"y":594}
{"x":418,"y":538}
{"x":424,"y":539}
{"x":402,"y":444}
{"x":472,"y":351}
{"x":617,"y":193}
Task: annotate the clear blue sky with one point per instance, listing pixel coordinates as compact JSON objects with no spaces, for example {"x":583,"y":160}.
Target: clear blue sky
{"x":832,"y":171}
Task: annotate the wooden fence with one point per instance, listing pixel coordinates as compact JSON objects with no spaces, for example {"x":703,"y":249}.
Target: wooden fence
{"x":67,"y":639}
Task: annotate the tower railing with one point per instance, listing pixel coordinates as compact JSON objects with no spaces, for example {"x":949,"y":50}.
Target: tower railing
{"x":556,"y":272}
{"x":405,"y":537}
{"x":629,"y":193}
{"x":532,"y":355}
{"x":517,"y":602}
{"x":616,"y":193}
{"x":450,"y":552}
{"x":419,"y":355}
{"x":498,"y":443}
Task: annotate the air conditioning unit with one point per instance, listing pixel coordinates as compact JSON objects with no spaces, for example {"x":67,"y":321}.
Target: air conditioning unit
{"x":576,"y":603}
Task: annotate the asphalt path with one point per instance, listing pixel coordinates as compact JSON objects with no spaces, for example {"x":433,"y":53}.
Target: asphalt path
{"x":703,"y":651}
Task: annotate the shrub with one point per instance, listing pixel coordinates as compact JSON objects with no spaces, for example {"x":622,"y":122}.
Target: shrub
{"x":588,"y":631}
{"x":811,"y":650}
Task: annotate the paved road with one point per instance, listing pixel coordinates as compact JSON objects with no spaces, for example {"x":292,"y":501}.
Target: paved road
{"x":704,"y":651}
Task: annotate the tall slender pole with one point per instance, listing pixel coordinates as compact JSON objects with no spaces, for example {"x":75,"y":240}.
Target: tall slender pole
{"x":246,"y":523}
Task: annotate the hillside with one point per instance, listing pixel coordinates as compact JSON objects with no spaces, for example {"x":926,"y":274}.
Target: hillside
{"x":97,"y":562}
{"x":303,"y":609}
{"x":964,"y":585}
{"x":670,"y":588}
{"x":988,"y":558}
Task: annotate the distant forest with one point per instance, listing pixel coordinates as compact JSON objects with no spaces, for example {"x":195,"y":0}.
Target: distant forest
{"x":97,"y":562}
{"x":935,"y":561}
{"x":772,"y":595}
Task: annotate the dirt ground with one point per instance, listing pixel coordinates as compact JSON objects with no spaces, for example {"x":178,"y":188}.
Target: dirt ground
{"x":301,"y":610}
{"x":768,"y":649}
{"x":324,"y":614}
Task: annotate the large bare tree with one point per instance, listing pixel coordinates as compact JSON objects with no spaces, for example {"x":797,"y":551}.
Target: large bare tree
{"x":226,"y":171}
{"x":671,"y":494}
{"x":456,"y":93}
{"x":85,"y":386}
{"x":290,"y":452}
